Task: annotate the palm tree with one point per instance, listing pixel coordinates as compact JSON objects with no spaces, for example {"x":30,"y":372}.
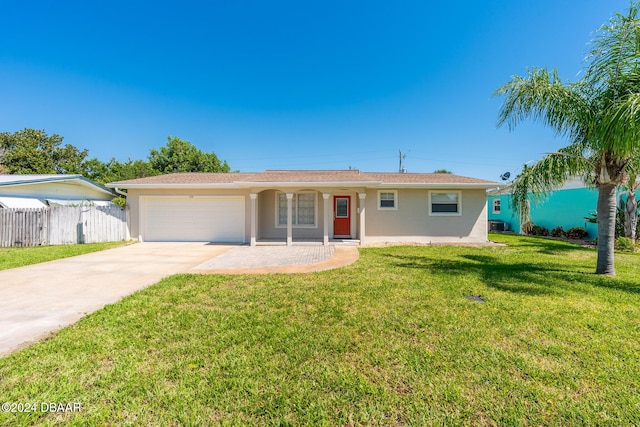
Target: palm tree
{"x":599,"y":115}
{"x":631,"y":204}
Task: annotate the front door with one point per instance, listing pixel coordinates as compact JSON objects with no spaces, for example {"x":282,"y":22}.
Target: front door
{"x":341,"y":216}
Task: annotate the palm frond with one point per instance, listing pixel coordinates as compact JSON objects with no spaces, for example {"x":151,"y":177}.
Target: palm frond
{"x":550,"y":173}
{"x":633,"y":172}
{"x":620,"y":127}
{"x":615,"y":51}
{"x":543,"y":97}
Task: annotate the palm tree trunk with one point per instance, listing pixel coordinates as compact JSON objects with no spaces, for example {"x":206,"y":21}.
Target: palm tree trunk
{"x":606,"y":229}
{"x":631,"y":215}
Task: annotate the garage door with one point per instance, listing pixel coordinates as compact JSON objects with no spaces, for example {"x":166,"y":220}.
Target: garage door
{"x":192,"y":219}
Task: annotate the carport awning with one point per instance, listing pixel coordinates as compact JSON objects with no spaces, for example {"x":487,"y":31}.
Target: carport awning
{"x":21,"y":203}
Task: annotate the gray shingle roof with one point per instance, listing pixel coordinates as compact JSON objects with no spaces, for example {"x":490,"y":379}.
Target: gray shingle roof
{"x":301,"y":176}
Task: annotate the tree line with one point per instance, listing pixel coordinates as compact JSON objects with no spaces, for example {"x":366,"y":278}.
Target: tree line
{"x":32,"y":151}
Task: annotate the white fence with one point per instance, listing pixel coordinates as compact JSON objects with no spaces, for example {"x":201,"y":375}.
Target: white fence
{"x":62,"y":225}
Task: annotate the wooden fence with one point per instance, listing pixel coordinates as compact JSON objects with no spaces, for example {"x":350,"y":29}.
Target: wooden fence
{"x":60,"y":225}
{"x":23,"y":227}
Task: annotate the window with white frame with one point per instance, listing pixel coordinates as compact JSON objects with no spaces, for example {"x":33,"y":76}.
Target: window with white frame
{"x":303,"y":210}
{"x":388,"y":199}
{"x":445,"y":203}
{"x":496,"y":206}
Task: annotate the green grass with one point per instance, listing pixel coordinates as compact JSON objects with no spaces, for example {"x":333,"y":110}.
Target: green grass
{"x":19,"y":257}
{"x":389,"y":340}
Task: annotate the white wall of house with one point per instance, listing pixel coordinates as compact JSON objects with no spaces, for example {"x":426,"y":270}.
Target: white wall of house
{"x":267,"y":228}
{"x":412,"y":221}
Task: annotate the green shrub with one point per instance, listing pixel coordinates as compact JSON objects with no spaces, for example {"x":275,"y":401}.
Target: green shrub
{"x":540,"y":231}
{"x":576,"y":233}
{"x":534,"y":230}
{"x":625,"y":244}
{"x":557,"y":232}
{"x":527,"y":227}
{"x":593,"y":219}
{"x":120,"y":201}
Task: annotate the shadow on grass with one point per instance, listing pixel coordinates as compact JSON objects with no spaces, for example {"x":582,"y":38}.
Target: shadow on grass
{"x":527,"y":278}
{"x":548,"y":245}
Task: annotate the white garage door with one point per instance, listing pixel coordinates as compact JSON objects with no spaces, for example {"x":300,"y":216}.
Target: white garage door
{"x":192,"y":219}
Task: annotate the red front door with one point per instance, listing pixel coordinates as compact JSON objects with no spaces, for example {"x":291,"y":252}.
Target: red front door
{"x":341,"y":216}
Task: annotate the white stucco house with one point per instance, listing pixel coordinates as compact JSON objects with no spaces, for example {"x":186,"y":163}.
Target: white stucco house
{"x":308,"y":205}
{"x":38,"y":191}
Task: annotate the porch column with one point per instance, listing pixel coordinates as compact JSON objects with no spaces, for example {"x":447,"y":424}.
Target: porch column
{"x":362,"y":197}
{"x":325,"y":233}
{"x":289,"y":219}
{"x":254,"y":218}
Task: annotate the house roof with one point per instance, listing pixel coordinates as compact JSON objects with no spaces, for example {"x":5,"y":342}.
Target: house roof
{"x":21,"y":202}
{"x":292,"y":178}
{"x":570,"y":184}
{"x":8,"y":180}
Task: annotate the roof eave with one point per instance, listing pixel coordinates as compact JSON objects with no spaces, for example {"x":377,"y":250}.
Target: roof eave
{"x":296,"y":184}
{"x":438,"y":185}
{"x":41,"y":180}
{"x":170,"y":185}
{"x":81,"y":180}
{"x":246,"y":184}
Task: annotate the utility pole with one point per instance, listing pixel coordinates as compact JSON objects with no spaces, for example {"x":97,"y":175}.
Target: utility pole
{"x":402,"y":156}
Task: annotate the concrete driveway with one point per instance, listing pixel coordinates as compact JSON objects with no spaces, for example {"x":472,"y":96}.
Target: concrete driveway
{"x":41,"y":298}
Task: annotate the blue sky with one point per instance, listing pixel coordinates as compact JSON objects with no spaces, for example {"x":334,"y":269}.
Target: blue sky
{"x":290,"y":84}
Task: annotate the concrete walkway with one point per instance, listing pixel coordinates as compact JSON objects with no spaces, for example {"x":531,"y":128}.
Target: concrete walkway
{"x":279,"y":259}
{"x":41,"y":298}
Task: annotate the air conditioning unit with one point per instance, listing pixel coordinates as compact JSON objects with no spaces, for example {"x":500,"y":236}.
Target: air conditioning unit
{"x":496,"y":225}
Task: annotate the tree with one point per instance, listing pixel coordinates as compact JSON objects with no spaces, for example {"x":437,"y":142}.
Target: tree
{"x":131,"y":169}
{"x":631,"y":204}
{"x":599,"y":115}
{"x":114,"y":170}
{"x":182,"y":156}
{"x":442,"y":171}
{"x":31,"y":151}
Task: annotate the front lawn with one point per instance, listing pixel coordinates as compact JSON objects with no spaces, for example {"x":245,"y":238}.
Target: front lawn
{"x":390,"y":340}
{"x":19,"y":257}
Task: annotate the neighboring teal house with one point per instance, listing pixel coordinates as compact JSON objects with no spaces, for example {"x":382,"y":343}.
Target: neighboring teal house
{"x":566,"y":207}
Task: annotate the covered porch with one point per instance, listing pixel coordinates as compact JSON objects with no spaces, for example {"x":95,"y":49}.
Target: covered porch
{"x":307,"y":216}
{"x":307,"y":242}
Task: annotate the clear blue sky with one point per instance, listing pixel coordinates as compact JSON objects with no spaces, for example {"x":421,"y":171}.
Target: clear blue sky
{"x":290,"y":84}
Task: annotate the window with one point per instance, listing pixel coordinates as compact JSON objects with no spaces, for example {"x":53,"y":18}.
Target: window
{"x":303,"y":210}
{"x":445,"y":203}
{"x":388,"y":199}
{"x":496,"y":206}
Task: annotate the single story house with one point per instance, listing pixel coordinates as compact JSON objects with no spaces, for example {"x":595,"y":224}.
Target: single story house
{"x":38,"y":191}
{"x":308,"y":205}
{"x":567,"y":207}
